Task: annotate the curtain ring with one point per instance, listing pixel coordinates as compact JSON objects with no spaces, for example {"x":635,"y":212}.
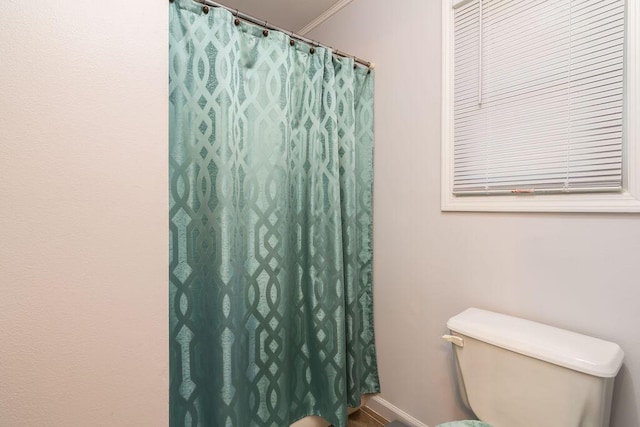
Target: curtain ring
{"x":291,"y":40}
{"x":236,"y":21}
{"x":265,"y":32}
{"x":355,"y":62}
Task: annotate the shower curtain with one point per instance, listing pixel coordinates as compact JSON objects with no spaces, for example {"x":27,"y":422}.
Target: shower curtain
{"x":271,"y":149}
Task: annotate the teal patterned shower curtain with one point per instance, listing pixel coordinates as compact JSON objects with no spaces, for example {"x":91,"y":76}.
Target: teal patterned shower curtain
{"x":271,"y":150}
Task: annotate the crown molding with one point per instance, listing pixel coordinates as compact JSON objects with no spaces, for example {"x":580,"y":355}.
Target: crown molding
{"x":324,"y":16}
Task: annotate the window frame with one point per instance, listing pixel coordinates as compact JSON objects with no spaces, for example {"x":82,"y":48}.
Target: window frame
{"x":628,"y":200}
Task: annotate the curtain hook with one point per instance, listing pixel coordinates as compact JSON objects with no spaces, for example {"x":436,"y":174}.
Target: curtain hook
{"x":355,"y":62}
{"x":291,"y":41}
{"x":265,"y":32}
{"x":236,"y":21}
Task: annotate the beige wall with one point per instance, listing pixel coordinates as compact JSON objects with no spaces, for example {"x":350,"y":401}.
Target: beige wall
{"x":83,"y":248}
{"x":580,"y":272}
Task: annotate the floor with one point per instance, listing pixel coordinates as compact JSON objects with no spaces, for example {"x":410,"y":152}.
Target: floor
{"x":365,"y":417}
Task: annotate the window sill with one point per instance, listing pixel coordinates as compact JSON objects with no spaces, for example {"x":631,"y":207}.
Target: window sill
{"x":602,"y":202}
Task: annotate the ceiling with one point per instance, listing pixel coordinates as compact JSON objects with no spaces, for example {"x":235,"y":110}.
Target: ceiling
{"x":292,"y":15}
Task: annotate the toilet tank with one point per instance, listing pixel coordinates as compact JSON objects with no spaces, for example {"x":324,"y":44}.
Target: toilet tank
{"x":518,"y":373}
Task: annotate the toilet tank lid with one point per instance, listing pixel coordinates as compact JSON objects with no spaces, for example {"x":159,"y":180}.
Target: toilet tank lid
{"x":575,"y":351}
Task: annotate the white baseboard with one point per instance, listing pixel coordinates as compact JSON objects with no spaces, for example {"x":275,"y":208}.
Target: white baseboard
{"x":391,"y":412}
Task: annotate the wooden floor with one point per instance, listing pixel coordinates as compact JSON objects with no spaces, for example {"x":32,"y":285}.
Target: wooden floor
{"x":365,"y":417}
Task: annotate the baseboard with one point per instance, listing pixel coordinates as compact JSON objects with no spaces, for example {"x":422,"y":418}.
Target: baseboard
{"x":391,"y":412}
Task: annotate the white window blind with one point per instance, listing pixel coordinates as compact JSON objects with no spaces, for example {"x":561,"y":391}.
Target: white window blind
{"x":538,"y":96}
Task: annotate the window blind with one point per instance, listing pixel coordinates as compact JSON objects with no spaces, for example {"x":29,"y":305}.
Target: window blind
{"x":538,"y":96}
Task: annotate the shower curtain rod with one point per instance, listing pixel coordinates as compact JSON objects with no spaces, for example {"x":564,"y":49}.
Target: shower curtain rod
{"x":269,"y":26}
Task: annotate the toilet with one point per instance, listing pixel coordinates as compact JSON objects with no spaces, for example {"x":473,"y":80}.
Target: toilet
{"x":517,"y":373}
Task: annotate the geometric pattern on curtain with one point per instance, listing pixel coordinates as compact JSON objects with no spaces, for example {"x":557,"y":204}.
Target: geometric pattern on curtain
{"x":271,"y":174}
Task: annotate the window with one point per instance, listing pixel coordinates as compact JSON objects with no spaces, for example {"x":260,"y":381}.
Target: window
{"x":540,"y":105}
